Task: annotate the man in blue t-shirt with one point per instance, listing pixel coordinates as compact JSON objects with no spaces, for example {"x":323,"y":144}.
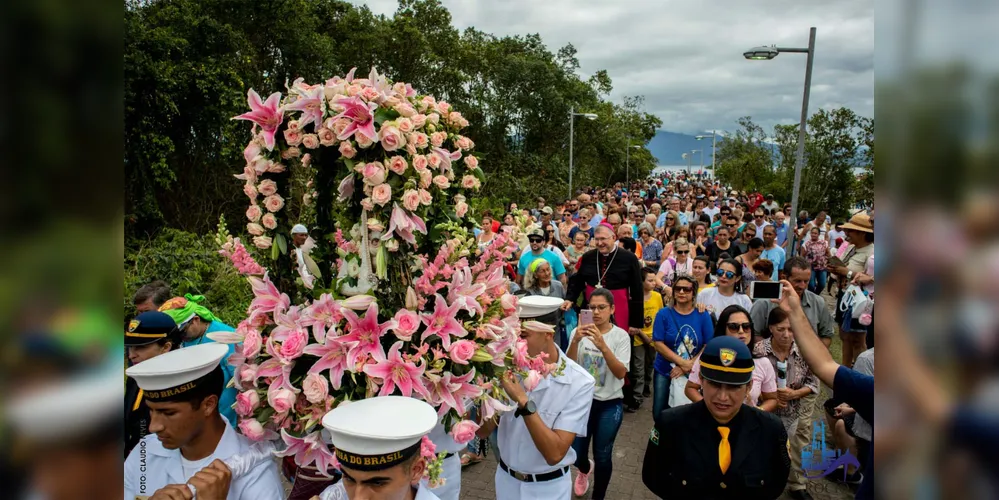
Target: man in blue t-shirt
{"x":771,"y":251}
{"x":538,"y":251}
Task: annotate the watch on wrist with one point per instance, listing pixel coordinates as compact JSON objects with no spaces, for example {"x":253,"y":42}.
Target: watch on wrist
{"x":526,"y":410}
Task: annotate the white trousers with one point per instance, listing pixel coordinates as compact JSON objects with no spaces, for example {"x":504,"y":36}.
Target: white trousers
{"x":510,"y":488}
{"x":451,"y":472}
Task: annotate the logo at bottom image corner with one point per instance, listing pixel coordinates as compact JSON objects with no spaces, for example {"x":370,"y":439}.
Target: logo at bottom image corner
{"x":819,"y":460}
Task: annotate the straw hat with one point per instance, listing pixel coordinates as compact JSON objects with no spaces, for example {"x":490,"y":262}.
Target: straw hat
{"x":860,"y":222}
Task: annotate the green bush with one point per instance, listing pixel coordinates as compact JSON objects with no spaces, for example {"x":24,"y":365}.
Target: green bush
{"x":189,"y":263}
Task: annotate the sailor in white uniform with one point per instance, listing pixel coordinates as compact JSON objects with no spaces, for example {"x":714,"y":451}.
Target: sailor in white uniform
{"x":377,"y":442}
{"x":189,"y":437}
{"x":535,"y":441}
{"x":451,"y":468}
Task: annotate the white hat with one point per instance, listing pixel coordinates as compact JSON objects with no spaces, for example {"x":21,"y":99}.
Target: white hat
{"x":95,"y":401}
{"x":380,"y":432}
{"x":533,"y":306}
{"x":177,"y":372}
{"x":299,"y":229}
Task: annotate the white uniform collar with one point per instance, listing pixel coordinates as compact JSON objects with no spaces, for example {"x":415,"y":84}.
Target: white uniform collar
{"x":564,"y":378}
{"x":229,"y":445}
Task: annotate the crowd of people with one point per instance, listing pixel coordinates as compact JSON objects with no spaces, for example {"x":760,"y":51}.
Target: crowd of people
{"x":655,"y":283}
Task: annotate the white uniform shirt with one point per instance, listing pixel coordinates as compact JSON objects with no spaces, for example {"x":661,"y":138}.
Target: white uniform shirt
{"x":563,"y":403}
{"x":150,"y":467}
{"x":339,"y":492}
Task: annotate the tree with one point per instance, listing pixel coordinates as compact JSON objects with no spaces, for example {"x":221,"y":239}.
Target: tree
{"x":745,"y":160}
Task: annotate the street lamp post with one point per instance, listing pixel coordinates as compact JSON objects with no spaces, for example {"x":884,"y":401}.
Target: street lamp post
{"x":627,"y":158}
{"x":713,"y":135}
{"x":765,"y":54}
{"x":686,"y":156}
{"x":701,"y":151}
{"x":572,"y":118}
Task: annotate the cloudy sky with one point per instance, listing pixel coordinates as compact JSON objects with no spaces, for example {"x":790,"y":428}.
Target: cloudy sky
{"x":685,"y":57}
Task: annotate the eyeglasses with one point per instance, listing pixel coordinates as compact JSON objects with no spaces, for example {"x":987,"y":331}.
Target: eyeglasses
{"x":670,"y":218}
{"x":601,"y":307}
{"x":683,"y":289}
{"x":727,"y":274}
{"x":736,"y":327}
{"x":682,"y":252}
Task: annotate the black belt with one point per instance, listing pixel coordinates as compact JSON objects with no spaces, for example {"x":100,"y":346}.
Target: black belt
{"x":534,"y":478}
{"x":449,"y":455}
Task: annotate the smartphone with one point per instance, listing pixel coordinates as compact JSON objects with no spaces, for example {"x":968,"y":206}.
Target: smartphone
{"x":585,"y":317}
{"x":765,"y":290}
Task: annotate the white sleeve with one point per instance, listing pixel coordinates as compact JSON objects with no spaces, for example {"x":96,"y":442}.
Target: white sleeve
{"x":575,"y":416}
{"x":263,"y":482}
{"x":131,"y":466}
{"x":622,"y":351}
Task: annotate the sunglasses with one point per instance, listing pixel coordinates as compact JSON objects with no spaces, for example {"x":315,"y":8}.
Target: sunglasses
{"x":727,"y":274}
{"x":535,"y":240}
{"x":736,"y":327}
{"x":684,"y":289}
{"x":670,"y":218}
{"x":731,"y":226}
{"x":682,"y":252}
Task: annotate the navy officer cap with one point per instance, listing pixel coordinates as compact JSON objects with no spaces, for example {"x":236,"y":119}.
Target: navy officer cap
{"x":149,"y":327}
{"x":727,"y":360}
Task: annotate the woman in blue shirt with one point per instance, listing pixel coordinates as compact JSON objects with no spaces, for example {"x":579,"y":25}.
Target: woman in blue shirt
{"x":678,"y":334}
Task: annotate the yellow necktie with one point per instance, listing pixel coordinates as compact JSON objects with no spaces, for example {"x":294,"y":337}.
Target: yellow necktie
{"x":724,"y":450}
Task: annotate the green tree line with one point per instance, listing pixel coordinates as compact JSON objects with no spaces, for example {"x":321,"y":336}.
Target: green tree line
{"x":189,"y":63}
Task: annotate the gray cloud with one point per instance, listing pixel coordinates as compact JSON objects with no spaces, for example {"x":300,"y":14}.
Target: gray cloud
{"x":686,"y":57}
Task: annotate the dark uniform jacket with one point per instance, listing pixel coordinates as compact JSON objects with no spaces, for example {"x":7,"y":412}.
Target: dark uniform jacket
{"x":136,"y":418}
{"x":681,"y":460}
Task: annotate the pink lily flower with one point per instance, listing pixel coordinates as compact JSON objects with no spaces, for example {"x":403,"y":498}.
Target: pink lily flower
{"x":397,"y":372}
{"x":308,"y":450}
{"x":451,"y":392}
{"x":446,"y":158}
{"x":464,"y":292}
{"x":267,"y":114}
{"x":362,"y":118}
{"x":491,"y":406}
{"x":286,"y":321}
{"x":403,"y":224}
{"x":442,"y":322}
{"x":365,"y":334}
{"x":310,"y":102}
{"x":332,"y":356}
{"x":323,"y":313}
{"x":267,"y":298}
{"x":277,"y":372}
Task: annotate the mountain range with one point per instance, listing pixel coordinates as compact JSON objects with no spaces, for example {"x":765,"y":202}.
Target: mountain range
{"x":668,"y":148}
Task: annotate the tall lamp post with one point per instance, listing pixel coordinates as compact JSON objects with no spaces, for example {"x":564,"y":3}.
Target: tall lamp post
{"x":765,"y":54}
{"x":627,"y":166}
{"x":686,"y":156}
{"x":701,"y":151}
{"x":572,"y":119}
{"x":713,"y":135}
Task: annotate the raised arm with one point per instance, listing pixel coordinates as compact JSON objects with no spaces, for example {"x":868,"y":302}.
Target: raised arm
{"x":812,"y":349}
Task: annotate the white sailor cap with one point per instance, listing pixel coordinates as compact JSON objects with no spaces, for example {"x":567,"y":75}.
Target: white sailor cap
{"x":95,"y":400}
{"x":379,"y":433}
{"x":299,"y":229}
{"x":534,"y":306}
{"x":179,"y":374}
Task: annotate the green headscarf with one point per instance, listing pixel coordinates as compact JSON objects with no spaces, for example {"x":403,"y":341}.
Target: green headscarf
{"x":182,"y":309}
{"x":536,"y":263}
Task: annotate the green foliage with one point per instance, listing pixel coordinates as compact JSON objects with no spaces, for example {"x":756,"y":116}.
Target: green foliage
{"x":189,"y":264}
{"x":744,"y":160}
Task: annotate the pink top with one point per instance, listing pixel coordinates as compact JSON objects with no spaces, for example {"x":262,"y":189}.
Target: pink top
{"x":764,"y":379}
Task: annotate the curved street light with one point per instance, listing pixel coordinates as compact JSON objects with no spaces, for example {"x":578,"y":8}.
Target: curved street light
{"x":572,"y":119}
{"x":761,"y":53}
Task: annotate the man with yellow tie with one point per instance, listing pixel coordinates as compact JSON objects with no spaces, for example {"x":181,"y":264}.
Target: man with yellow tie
{"x":718,"y":447}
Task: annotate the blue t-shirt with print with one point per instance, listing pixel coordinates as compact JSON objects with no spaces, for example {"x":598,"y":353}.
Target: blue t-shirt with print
{"x":558,"y":269}
{"x":684,"y":334}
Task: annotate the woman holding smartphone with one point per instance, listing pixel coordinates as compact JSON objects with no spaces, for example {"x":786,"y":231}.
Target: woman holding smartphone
{"x":604,"y":350}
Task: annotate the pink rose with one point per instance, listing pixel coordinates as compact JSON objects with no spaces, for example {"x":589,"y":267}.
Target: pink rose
{"x":370,"y":94}
{"x":310,"y":141}
{"x":382,"y":194}
{"x":247,"y":373}
{"x":434,"y":160}
{"x":410,"y":148}
{"x":294,"y":344}
{"x":420,"y":140}
{"x":425,"y":197}
{"x":428,"y":101}
{"x":293,"y":137}
{"x":252,"y":429}
{"x":398,"y":165}
{"x":405,"y":109}
{"x":470,"y":182}
{"x":391,"y":138}
{"x":437,"y":139}
{"x":347,"y":149}
{"x":509,"y":303}
{"x":293,"y":125}
{"x":254,"y":229}
{"x":419,"y":120}
{"x":269,"y":221}
{"x":425,"y":178}
{"x":464,"y":143}
{"x":464,"y":431}
{"x":246,"y":402}
{"x":273,"y":203}
{"x":251,"y":151}
{"x":277,"y":167}
{"x":532,"y":380}
{"x":440,"y":181}
{"x":290,"y":153}
{"x":251,"y":343}
{"x":250,"y":190}
{"x":373,"y":173}
{"x":354,"y":90}
{"x":362,"y":141}
{"x":316,"y":388}
{"x":460,"y":209}
{"x":443,"y":107}
{"x":455,"y":118}
{"x":326,"y":137}
{"x":375,"y":225}
{"x":267,"y":187}
{"x":253,"y":213}
{"x":406,"y":324}
{"x":340,"y":125}
{"x":471,"y":162}
{"x":420,"y":163}
{"x":462,"y":351}
{"x":367,"y":204}
{"x":405,"y":125}
{"x":281,"y":400}
{"x":433,"y":118}
{"x":411,"y":199}
{"x":262,"y":242}
{"x":306,"y":159}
